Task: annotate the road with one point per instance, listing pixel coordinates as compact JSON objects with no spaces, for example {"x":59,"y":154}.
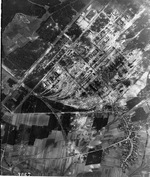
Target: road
{"x":58,"y":119}
{"x":143,"y":164}
{"x":41,"y":58}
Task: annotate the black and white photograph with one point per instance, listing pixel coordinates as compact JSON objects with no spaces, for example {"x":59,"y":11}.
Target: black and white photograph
{"x":75,"y":88}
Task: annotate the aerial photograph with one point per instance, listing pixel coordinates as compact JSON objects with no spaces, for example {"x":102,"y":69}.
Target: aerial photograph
{"x":75,"y":88}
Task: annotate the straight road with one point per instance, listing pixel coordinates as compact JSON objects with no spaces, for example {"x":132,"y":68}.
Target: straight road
{"x":41,"y":58}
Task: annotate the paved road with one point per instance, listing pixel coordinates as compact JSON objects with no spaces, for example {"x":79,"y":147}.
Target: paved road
{"x":40,"y":59}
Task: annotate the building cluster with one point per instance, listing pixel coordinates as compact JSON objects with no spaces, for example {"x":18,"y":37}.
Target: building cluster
{"x":95,"y":62}
{"x":92,"y":71}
